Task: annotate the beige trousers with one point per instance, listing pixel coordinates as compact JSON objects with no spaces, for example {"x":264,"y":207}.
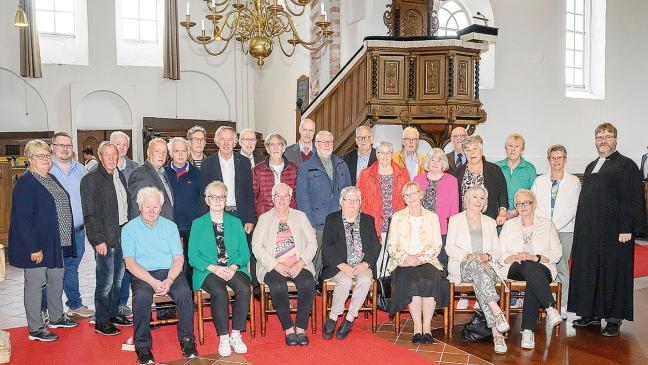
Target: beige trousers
{"x":343,"y":285}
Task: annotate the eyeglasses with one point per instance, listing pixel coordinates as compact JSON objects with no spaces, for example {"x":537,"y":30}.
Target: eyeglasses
{"x":62,"y":146}
{"x":384,"y":153}
{"x":556,"y":158}
{"x":282,"y":196}
{"x":356,"y":200}
{"x":218,"y":198}
{"x":605,"y":138}
{"x":410,"y":140}
{"x":363,"y":138}
{"x":411,"y":194}
{"x":199,"y":140}
{"x":43,"y":156}
{"x":248,"y":139}
{"x":275,"y":145}
{"x":326,"y":143}
{"x":523,"y":204}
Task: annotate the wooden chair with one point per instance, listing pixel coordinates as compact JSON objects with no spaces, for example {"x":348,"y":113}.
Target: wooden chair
{"x":162,"y":302}
{"x":265,"y":307}
{"x":459,"y":291}
{"x":520,"y":287}
{"x":328,"y":286}
{"x":446,"y":320}
{"x":201,"y":298}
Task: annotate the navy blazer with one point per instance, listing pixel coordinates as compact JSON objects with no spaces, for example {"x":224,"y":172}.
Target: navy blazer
{"x":351,"y":159}
{"x":211,"y":171}
{"x":142,"y":177}
{"x":35,"y":227}
{"x":187,"y":195}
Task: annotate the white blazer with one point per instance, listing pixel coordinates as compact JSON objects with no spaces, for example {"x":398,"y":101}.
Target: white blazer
{"x":459,"y":243}
{"x":545,"y":242}
{"x":566,"y":200}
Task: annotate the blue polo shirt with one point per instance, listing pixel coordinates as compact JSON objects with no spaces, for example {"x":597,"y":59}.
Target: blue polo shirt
{"x":521,"y":178}
{"x":152,"y":248}
{"x":72,"y":184}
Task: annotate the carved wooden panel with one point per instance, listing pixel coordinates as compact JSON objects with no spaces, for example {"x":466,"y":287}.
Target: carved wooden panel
{"x":393,"y":84}
{"x":464,"y":77}
{"x":413,"y":22}
{"x":408,"y":17}
{"x":432,"y":77}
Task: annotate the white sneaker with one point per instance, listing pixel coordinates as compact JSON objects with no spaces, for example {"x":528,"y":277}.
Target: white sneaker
{"x":501,"y":324}
{"x":500,"y":344}
{"x":563,"y":313}
{"x":463,"y":304}
{"x":224,"y":348}
{"x":553,"y":317}
{"x":528,"y":340}
{"x":236,"y":341}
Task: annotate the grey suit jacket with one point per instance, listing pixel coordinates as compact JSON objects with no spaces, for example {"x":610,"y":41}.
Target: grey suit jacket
{"x":143,"y":176}
{"x":643,"y":166}
{"x":293,"y":153}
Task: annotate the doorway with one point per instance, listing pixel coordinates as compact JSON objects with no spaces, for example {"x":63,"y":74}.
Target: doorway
{"x":92,"y":138}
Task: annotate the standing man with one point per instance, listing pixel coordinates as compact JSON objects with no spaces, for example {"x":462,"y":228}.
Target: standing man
{"x":126,"y":166}
{"x":197,"y":137}
{"x":362,"y":157}
{"x":233,"y":170}
{"x":518,"y":172}
{"x":610,"y":214}
{"x":457,"y":157}
{"x":247,"y":141}
{"x":408,"y":157}
{"x":319,"y":183}
{"x":69,"y":173}
{"x":105,"y":209}
{"x":303,"y":149}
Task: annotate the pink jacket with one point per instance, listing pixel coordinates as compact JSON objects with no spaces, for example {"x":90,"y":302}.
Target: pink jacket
{"x":447,"y":197}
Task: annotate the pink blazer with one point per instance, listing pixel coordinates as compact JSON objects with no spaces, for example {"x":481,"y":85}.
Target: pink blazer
{"x":447,"y":197}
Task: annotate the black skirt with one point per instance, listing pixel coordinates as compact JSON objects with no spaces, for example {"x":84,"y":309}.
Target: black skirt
{"x":423,"y":281}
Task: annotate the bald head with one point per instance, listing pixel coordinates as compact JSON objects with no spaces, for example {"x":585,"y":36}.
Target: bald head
{"x":306,"y":131}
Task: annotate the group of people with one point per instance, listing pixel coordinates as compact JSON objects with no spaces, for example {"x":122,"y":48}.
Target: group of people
{"x":303,"y":215}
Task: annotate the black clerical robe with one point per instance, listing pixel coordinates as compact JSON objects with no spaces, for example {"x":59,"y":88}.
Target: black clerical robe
{"x":602,"y":271}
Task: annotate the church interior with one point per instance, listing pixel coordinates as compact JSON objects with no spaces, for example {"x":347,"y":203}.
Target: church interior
{"x":550,"y":71}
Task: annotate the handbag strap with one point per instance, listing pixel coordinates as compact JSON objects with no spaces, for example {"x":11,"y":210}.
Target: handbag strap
{"x":385,"y":258}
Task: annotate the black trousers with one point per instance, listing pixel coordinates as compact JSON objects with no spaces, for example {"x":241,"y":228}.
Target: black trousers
{"x":253,"y":262}
{"x":143,"y":298}
{"x":186,"y":268}
{"x":538,"y":293}
{"x":278,"y":285}
{"x":217,"y":289}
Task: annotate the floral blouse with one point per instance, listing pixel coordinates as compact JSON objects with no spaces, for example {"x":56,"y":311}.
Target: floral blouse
{"x":386,"y":190}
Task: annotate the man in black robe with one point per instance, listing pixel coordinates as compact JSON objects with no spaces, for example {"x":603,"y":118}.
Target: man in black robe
{"x":610,"y":214}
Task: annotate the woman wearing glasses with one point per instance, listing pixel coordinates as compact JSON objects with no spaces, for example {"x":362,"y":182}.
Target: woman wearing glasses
{"x":219,"y":254}
{"x":414,"y":243}
{"x":41,"y":233}
{"x":270,"y":172}
{"x":530,"y":249}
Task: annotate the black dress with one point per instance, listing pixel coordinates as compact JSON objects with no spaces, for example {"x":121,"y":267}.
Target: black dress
{"x":423,"y":281}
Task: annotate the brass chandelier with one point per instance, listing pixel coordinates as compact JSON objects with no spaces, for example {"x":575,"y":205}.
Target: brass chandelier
{"x":256,"y":25}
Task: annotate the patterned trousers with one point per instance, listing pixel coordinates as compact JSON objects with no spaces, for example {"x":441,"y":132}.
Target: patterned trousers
{"x":484,"y":279}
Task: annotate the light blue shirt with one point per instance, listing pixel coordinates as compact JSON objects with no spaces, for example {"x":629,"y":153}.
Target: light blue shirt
{"x":72,"y":184}
{"x":152,"y":248}
{"x":411,"y":164}
{"x":363,"y":162}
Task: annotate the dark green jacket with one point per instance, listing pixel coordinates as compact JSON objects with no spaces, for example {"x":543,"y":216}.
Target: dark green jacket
{"x":202,"y":246}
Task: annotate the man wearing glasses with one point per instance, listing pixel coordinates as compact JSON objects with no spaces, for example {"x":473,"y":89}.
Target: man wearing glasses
{"x":609,"y":216}
{"x":457,"y":158}
{"x":319,"y":183}
{"x":69,"y":173}
{"x":196,"y":136}
{"x":247,"y":141}
{"x":302,"y":150}
{"x":408,"y":157}
{"x":362,"y":157}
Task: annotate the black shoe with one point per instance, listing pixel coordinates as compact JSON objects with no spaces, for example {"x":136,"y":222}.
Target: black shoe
{"x":586,"y":321}
{"x":106,"y":329}
{"x":164,"y":314}
{"x":144,"y":355}
{"x":329,"y":328}
{"x":428,"y":339}
{"x":291,"y":339}
{"x":417,"y":339}
{"x":302,"y":339}
{"x":64,"y":322}
{"x":43,"y":335}
{"x":344,"y":330}
{"x":188,"y":348}
{"x":611,"y":329}
{"x":121,"y":320}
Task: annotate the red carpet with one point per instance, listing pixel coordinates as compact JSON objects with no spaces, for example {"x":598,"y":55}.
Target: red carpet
{"x":641,"y":261}
{"x":81,"y":345}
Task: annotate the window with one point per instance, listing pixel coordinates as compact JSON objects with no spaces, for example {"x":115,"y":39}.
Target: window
{"x":452,"y":17}
{"x":576,"y":45}
{"x":139,"y":20}
{"x":55,"y":17}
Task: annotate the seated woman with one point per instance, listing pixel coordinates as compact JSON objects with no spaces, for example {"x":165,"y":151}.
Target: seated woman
{"x":472,"y":251}
{"x":530,"y":249}
{"x":219,"y":254}
{"x":284,"y":244}
{"x":413,"y":244}
{"x":350,"y":248}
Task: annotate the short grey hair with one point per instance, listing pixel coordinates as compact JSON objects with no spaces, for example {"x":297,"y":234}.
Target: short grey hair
{"x":323,"y":133}
{"x":175,"y":140}
{"x":282,"y":186}
{"x":528,"y":192}
{"x":215,"y":185}
{"x":103,"y":145}
{"x":556,"y":148}
{"x":467,"y":198}
{"x":156,"y":140}
{"x":194,"y":129}
{"x":116,"y":134}
{"x":147,"y":192}
{"x":472,"y":140}
{"x":386,"y":144}
{"x":350,"y":190}
{"x":226,"y":128}
{"x":411,"y":129}
{"x":36,"y":144}
{"x":357,"y":130}
{"x":248,"y":130}
{"x":437,"y":154}
{"x":272,"y":136}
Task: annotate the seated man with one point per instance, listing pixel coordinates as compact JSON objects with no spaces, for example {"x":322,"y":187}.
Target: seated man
{"x":153,"y":255}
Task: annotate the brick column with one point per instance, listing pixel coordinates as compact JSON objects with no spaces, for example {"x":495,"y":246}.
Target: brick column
{"x":331,"y":53}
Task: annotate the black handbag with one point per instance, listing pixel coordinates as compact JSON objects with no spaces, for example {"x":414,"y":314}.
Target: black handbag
{"x":476,"y":330}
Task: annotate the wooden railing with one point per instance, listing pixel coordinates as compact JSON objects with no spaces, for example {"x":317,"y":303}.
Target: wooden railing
{"x":8,"y":176}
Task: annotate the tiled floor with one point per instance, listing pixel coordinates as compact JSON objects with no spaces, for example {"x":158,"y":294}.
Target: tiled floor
{"x":235,"y":359}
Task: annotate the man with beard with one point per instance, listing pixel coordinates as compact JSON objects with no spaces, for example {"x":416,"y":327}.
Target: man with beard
{"x":610,"y":214}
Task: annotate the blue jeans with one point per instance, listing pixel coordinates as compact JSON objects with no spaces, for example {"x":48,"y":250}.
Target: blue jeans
{"x":124,"y":293}
{"x":109,"y":272}
{"x":71,"y":275}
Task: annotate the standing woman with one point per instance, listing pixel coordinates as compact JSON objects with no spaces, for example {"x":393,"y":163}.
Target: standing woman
{"x":273,"y":170}
{"x":418,"y":281}
{"x":219,"y":254}
{"x":441,"y":193}
{"x":40,"y":235}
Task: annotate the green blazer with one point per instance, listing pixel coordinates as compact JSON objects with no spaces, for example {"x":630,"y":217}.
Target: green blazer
{"x":202,"y":246}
